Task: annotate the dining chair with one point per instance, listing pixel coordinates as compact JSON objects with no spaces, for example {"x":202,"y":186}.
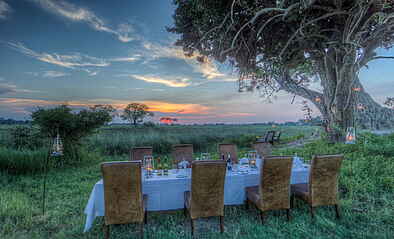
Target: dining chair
{"x":206,"y":198}
{"x":182,"y":152}
{"x":273,"y":191}
{"x":322,"y":188}
{"x":231,"y":149}
{"x":138,"y":153}
{"x":263,"y":149}
{"x":123,"y":199}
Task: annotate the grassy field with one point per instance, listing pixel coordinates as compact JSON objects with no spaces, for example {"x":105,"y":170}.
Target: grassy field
{"x":366,"y":195}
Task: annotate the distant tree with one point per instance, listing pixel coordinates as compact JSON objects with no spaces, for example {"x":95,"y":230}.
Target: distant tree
{"x":287,"y":44}
{"x":71,"y":126}
{"x":135,"y":113}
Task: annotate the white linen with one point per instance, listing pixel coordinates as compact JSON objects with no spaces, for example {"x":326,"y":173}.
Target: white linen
{"x":167,"y":192}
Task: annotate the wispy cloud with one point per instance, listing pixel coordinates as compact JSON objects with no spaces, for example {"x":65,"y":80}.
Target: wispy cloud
{"x":124,"y":59}
{"x":54,"y":74}
{"x":79,"y":14}
{"x":5,"y":9}
{"x":177,"y":82}
{"x":207,"y":68}
{"x":69,"y":61}
{"x":72,"y":61}
{"x":7,"y":88}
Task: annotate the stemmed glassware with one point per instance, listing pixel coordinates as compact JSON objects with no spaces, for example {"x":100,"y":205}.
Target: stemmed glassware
{"x":148,"y":165}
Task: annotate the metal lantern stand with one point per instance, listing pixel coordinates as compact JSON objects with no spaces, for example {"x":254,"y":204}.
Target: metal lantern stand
{"x":55,"y":150}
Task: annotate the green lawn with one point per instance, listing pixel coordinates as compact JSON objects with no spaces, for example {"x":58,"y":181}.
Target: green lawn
{"x":366,"y":193}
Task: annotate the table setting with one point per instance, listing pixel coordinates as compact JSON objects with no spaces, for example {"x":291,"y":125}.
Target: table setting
{"x":166,"y":191}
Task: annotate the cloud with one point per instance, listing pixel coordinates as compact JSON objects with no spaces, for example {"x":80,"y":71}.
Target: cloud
{"x":7,"y":88}
{"x":78,"y":14}
{"x":180,"y":82}
{"x":124,"y":59}
{"x":207,"y":68}
{"x":25,"y":105}
{"x":53,"y":74}
{"x":5,"y":9}
{"x":72,"y":61}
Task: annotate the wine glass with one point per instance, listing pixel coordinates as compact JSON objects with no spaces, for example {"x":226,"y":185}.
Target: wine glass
{"x":148,"y":160}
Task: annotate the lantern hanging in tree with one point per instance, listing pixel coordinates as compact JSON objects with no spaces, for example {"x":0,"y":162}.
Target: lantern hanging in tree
{"x":350,"y":135}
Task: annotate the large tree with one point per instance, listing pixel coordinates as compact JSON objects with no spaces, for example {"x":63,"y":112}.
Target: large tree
{"x":286,"y":44}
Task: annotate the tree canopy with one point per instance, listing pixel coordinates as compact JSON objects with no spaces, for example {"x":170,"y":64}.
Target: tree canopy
{"x":135,"y":113}
{"x":71,"y":126}
{"x":284,"y":45}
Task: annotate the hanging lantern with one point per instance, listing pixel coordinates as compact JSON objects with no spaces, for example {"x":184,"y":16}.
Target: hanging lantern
{"x":57,"y":148}
{"x":350,"y":135}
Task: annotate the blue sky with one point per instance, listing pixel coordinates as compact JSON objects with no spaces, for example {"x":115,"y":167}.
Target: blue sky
{"x":117,"y":52}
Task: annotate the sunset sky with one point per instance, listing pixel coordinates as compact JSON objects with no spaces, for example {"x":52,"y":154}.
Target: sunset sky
{"x":117,"y":52}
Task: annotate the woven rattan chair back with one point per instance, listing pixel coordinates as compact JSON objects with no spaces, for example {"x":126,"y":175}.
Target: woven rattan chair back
{"x":207,"y":188}
{"x":122,"y":192}
{"x":263,"y":149}
{"x":138,"y":153}
{"x":224,"y":149}
{"x":182,"y":152}
{"x":274,"y":188}
{"x":323,"y":179}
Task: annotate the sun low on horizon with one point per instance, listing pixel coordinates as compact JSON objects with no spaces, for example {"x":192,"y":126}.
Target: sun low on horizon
{"x":117,"y":52}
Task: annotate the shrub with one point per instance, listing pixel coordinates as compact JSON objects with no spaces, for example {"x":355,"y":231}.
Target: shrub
{"x":71,"y":126}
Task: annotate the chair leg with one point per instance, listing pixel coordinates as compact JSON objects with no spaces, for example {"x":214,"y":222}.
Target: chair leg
{"x":262,"y":217}
{"x":106,"y":231}
{"x":192,"y":224}
{"x":337,"y":211}
{"x":288,"y":214}
{"x":184,"y":210}
{"x":221,"y":218}
{"x":292,"y":201}
{"x":146,"y":217}
{"x":247,"y":204}
{"x":311,"y":209}
{"x":142,"y":230}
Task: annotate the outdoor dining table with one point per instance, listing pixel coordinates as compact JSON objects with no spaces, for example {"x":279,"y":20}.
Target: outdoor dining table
{"x":167,"y":192}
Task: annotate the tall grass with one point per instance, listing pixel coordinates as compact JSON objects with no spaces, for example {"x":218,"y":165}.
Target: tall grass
{"x":118,"y":140}
{"x":22,"y":161}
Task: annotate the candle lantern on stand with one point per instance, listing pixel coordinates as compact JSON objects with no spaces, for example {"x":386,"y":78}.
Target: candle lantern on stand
{"x":55,"y":150}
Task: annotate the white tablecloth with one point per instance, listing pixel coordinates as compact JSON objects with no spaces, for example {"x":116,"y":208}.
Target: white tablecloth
{"x":167,"y":192}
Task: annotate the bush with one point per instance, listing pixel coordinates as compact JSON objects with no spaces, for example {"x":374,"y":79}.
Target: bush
{"x":26,"y":137}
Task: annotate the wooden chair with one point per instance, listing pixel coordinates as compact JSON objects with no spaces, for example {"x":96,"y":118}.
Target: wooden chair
{"x":263,"y":149}
{"x":138,"y":153}
{"x":182,"y":152}
{"x":273,"y":193}
{"x":206,"y":198}
{"x":322,"y":189}
{"x":276,"y":138}
{"x":224,"y":149}
{"x":269,"y":137}
{"x":123,"y":199}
